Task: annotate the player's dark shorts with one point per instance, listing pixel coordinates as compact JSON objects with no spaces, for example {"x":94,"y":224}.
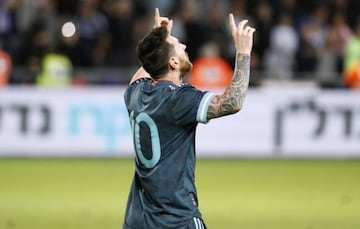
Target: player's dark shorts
{"x":196,"y":223}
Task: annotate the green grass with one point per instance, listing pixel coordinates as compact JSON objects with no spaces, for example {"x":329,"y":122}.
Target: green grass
{"x":250,"y":194}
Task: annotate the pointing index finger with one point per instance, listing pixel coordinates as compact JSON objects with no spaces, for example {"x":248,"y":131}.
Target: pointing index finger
{"x":157,"y":16}
{"x":232,"y":22}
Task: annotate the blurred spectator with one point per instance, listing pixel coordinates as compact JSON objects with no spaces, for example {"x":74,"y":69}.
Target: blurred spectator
{"x":280,"y":56}
{"x":67,"y":43}
{"x":312,"y":38}
{"x":36,"y":45}
{"x":121,"y":25}
{"x":26,"y":12}
{"x":352,"y":59}
{"x":217,"y":28}
{"x":338,"y":34}
{"x":326,"y":72}
{"x":47,"y":15}
{"x":5,"y":67}
{"x":210,"y":70}
{"x":56,"y":65}
{"x":107,"y":32}
{"x":331,"y":55}
{"x":8,"y":26}
{"x":92,"y":27}
{"x":56,"y":71}
{"x":263,"y":19}
{"x":189,"y":28}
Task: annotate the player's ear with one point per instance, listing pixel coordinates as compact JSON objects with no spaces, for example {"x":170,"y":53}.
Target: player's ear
{"x":173,"y":63}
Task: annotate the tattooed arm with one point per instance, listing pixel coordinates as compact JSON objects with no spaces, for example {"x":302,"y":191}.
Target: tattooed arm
{"x":232,"y":99}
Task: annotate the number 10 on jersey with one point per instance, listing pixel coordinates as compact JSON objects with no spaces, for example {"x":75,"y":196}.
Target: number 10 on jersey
{"x":154,"y":137}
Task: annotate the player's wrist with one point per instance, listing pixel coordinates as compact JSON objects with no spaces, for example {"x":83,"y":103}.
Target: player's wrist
{"x":241,"y":54}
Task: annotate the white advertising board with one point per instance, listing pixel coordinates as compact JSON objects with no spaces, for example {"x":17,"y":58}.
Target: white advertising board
{"x":91,"y":121}
{"x":291,"y":123}
{"x":94,"y":122}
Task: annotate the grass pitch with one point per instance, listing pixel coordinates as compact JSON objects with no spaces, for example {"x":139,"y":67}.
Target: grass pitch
{"x":236,"y":193}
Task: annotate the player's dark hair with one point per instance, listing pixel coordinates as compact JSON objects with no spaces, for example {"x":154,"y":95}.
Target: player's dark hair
{"x":154,"y":52}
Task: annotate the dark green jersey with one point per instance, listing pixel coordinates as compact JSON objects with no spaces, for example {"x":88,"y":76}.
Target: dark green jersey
{"x":163,"y":118}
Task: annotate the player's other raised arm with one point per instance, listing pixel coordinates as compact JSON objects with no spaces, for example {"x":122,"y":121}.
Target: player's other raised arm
{"x":232,"y":99}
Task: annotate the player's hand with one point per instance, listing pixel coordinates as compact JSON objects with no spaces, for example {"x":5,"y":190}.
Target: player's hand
{"x":160,"y":21}
{"x":242,"y":35}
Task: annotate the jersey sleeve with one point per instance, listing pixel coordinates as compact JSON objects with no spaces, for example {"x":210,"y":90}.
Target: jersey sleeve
{"x":191,"y":105}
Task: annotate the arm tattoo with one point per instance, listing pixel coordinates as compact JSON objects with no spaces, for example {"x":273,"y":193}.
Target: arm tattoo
{"x":232,"y":99}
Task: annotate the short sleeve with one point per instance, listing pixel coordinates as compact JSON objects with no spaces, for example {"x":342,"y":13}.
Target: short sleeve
{"x":203,"y":107}
{"x":190,"y":105}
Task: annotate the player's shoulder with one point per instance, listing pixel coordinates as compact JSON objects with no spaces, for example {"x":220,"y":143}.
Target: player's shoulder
{"x":176,"y":88}
{"x":168,"y":86}
{"x":185,"y":85}
{"x":137,"y":84}
{"x":140,"y":80}
{"x":185,"y":88}
{"x":185,"y":91}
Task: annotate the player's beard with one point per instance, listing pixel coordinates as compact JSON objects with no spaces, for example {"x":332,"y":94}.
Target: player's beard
{"x":185,"y":67}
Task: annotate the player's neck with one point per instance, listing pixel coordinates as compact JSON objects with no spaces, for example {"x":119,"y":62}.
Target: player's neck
{"x":172,"y":77}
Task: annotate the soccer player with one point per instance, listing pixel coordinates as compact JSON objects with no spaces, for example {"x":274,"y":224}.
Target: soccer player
{"x":164,"y":112}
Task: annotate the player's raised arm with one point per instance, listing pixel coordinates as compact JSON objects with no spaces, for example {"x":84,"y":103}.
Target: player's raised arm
{"x":232,"y":99}
{"x":158,"y":21}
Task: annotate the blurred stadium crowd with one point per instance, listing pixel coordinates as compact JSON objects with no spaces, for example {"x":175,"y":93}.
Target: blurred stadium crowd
{"x":295,"y":39}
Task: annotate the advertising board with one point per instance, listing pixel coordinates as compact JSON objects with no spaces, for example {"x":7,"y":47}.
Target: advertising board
{"x":94,"y":122}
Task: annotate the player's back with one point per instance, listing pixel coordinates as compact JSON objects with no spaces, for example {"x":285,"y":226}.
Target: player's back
{"x":163,"y":118}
